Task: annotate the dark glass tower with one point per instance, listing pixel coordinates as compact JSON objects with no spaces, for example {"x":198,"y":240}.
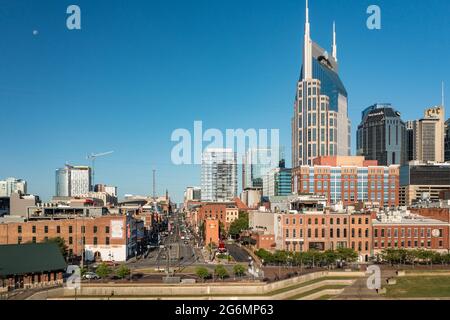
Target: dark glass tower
{"x":382,"y":135}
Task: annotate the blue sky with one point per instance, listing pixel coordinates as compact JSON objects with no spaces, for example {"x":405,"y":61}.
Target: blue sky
{"x":140,"y":69}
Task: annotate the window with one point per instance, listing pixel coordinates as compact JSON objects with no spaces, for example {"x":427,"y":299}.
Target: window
{"x":316,"y":233}
{"x":33,"y":240}
{"x":19,"y":229}
{"x":33,"y":229}
{"x":323,"y":233}
{"x":375,"y":233}
{"x":58,"y":229}
{"x":331,"y":233}
{"x":95,"y":229}
{"x":70,"y":229}
{"x":45,"y":229}
{"x":367,"y":233}
{"x":19,"y":240}
{"x":70,"y":240}
{"x":107,"y":240}
{"x":287,"y":233}
{"x":95,"y":241}
{"x":83,"y":229}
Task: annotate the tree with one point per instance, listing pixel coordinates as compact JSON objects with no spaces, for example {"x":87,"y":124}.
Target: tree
{"x":221,"y":271}
{"x":202,"y":273}
{"x":347,"y":255}
{"x":264,"y":255}
{"x":239,"y":270}
{"x":103,"y":271}
{"x":61,"y":243}
{"x":123,"y":271}
{"x":239,"y":225}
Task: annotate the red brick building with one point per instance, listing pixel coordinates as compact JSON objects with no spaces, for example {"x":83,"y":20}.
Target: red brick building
{"x":401,"y":229}
{"x":107,"y":238}
{"x":349,"y":180}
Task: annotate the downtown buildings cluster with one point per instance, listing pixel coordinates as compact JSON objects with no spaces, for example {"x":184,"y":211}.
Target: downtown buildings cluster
{"x":398,"y":179}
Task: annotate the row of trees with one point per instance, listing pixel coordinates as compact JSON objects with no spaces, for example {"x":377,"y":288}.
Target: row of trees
{"x":220,"y":271}
{"x":412,"y":257}
{"x":312,"y":258}
{"x":104,"y":271}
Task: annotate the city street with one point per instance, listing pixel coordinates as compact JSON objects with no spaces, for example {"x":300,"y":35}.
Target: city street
{"x":174,"y":252}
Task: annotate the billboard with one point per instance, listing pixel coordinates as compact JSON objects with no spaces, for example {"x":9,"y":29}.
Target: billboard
{"x":117,"y":229}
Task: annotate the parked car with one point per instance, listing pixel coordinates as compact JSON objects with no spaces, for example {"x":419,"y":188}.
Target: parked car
{"x":91,"y":276}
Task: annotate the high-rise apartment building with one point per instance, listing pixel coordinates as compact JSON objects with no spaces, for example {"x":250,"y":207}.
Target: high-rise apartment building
{"x":219,"y":175}
{"x":320,"y":125}
{"x":428,"y":136}
{"x":73,"y":181}
{"x":256,"y":163}
{"x":382,"y":135}
{"x":277,"y":182}
{"x":12,"y":185}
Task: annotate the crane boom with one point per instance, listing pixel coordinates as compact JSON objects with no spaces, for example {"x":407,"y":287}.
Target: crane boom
{"x":92,"y":157}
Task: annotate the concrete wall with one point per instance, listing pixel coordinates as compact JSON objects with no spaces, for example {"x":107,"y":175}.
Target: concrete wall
{"x":216,"y":289}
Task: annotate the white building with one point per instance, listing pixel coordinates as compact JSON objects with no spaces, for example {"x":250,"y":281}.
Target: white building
{"x":12,"y":185}
{"x":219,"y":175}
{"x":193,"y":194}
{"x":73,"y":181}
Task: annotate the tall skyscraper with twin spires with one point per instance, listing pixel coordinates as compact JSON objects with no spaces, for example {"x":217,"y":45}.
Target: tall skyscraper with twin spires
{"x":320,"y":126}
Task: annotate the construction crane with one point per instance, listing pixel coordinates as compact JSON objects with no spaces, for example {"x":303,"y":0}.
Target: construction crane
{"x":93,"y":157}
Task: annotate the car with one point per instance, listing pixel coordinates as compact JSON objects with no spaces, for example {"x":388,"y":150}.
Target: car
{"x":91,"y":276}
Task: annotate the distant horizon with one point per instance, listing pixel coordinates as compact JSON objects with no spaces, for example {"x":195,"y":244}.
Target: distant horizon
{"x":137,"y":71}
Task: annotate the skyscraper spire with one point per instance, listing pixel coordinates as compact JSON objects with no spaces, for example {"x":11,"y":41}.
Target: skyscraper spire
{"x":334,"y":49}
{"x":307,"y":48}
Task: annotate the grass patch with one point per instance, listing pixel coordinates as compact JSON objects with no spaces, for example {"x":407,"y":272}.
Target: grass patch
{"x":307,"y":293}
{"x":325,"y":297}
{"x":420,"y":287}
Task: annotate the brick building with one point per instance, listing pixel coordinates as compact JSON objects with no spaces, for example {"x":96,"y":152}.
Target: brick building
{"x":403,"y":229}
{"x":106,"y":238}
{"x":348,"y":180}
{"x":212,"y":232}
{"x":325,"y":231}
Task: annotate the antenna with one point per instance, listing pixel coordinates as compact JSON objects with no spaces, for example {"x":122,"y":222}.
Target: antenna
{"x":154,"y":184}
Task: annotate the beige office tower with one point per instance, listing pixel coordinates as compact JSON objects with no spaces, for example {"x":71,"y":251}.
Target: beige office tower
{"x":428,"y":136}
{"x":320,"y":125}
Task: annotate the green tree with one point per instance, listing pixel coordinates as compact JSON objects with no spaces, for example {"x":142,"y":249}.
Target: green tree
{"x":202,"y":273}
{"x":347,"y":255}
{"x":123,"y":271}
{"x":221,"y":272}
{"x":239,"y":270}
{"x":239,"y":225}
{"x":264,"y":255}
{"x":61,"y":243}
{"x":103,"y":271}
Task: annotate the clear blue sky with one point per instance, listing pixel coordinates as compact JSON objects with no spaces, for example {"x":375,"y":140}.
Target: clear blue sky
{"x":140,"y":69}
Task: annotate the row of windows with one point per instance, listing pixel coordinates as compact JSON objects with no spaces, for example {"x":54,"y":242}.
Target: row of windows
{"x":322,"y":232}
{"x":408,"y":243}
{"x":332,"y":220}
{"x":70,"y":240}
{"x":58,"y":229}
{"x":406,"y":232}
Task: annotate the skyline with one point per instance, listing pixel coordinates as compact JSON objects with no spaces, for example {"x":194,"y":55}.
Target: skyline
{"x":256,"y":62}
